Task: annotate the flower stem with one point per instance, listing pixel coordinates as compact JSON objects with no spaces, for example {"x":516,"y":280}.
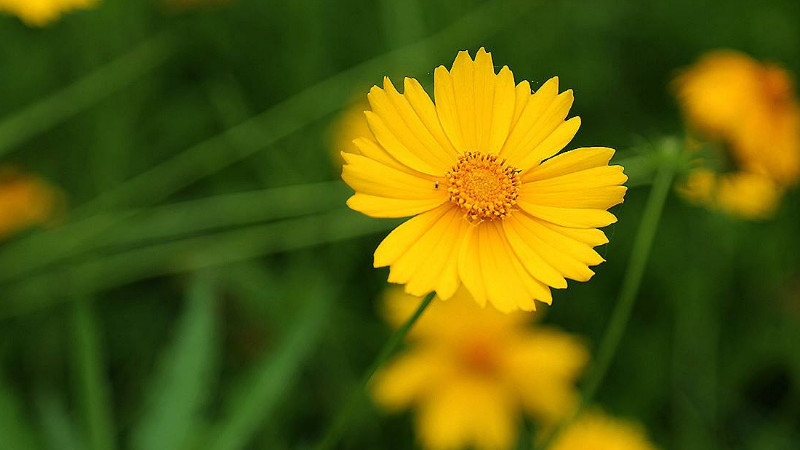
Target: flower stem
{"x":631,"y":282}
{"x":335,"y":430}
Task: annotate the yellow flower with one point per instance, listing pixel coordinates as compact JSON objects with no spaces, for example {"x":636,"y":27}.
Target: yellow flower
{"x":749,"y":106}
{"x":596,"y":431}
{"x":493,"y":207}
{"x":350,"y":126}
{"x":42,"y":12}
{"x":739,"y":194}
{"x":471,"y":372}
{"x":25,"y":201}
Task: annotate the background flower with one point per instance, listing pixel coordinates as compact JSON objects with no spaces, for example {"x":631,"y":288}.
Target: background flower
{"x":596,"y":431}
{"x":470,"y":372}
{"x":41,"y":12}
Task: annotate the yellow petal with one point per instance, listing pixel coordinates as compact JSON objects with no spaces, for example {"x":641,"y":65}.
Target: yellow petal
{"x":469,"y":266}
{"x":463,"y":76}
{"x":391,"y":207}
{"x":569,"y":257}
{"x":502,"y":111}
{"x":405,"y":235}
{"x":570,"y":162}
{"x":529,"y":122}
{"x":368,"y":176}
{"x":426,"y":111}
{"x":430,"y":263}
{"x":533,"y":262}
{"x":596,"y":188}
{"x":387,"y":138}
{"x":569,"y":217}
{"x":522,"y":94}
{"x":406,"y":126}
{"x":446,"y":107}
{"x":552,"y":144}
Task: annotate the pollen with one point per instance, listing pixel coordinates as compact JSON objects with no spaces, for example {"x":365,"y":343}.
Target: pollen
{"x":484,"y":186}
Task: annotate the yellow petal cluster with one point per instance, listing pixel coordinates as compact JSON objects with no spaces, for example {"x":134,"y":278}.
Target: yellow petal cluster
{"x":751,"y":109}
{"x":494,"y":206}
{"x":25,"y":201}
{"x":597,"y":431}
{"x":470,"y":373}
{"x":42,"y":12}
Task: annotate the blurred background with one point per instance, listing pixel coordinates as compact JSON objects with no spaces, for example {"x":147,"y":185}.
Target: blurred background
{"x":178,"y":268}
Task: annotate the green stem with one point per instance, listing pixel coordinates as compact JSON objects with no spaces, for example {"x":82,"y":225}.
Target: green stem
{"x":631,"y":283}
{"x":335,"y":430}
{"x":87,"y":91}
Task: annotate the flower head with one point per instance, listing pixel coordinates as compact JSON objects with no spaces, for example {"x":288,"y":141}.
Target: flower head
{"x":24,"y":201}
{"x":42,"y":12}
{"x":596,"y":431}
{"x":471,"y":372}
{"x":750,"y":107}
{"x":494,"y":207}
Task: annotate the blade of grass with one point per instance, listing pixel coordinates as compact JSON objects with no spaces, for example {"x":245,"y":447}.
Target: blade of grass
{"x":183,"y":382}
{"x":57,"y":428}
{"x":335,"y":430}
{"x":85,"y":92}
{"x":273,"y":376}
{"x":103,"y":272}
{"x":669,"y":159}
{"x":15,"y":431}
{"x":179,"y":220}
{"x":93,"y":389}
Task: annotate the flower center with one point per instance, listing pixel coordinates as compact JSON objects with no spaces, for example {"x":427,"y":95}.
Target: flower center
{"x":485,"y":187}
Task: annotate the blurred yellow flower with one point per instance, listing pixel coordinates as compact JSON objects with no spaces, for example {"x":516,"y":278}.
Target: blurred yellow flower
{"x":471,"y":372}
{"x":596,"y":431}
{"x":350,"y":126}
{"x":739,"y":194}
{"x":494,"y":207}
{"x":750,"y":106}
{"x":25,"y":201}
{"x":42,"y":12}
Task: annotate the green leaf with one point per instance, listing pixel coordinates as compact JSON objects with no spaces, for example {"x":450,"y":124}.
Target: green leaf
{"x":185,"y":376}
{"x":15,"y":431}
{"x":93,"y":388}
{"x":260,"y":395}
{"x":58,"y":430}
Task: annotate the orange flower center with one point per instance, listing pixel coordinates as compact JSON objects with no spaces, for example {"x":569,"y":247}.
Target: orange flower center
{"x":485,"y":187}
{"x":479,"y":357}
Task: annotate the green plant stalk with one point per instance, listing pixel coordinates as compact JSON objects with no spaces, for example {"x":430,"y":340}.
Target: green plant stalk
{"x":336,"y":428}
{"x":642,"y":245}
{"x":92,"y":385}
{"x":83,"y":93}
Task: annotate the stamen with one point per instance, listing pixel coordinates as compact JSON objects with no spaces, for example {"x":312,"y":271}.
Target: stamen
{"x":484,"y":186}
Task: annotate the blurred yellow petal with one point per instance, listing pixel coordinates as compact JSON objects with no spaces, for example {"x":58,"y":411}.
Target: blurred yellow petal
{"x":596,"y":431}
{"x":25,"y":201}
{"x":467,"y":412}
{"x":42,"y":12}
